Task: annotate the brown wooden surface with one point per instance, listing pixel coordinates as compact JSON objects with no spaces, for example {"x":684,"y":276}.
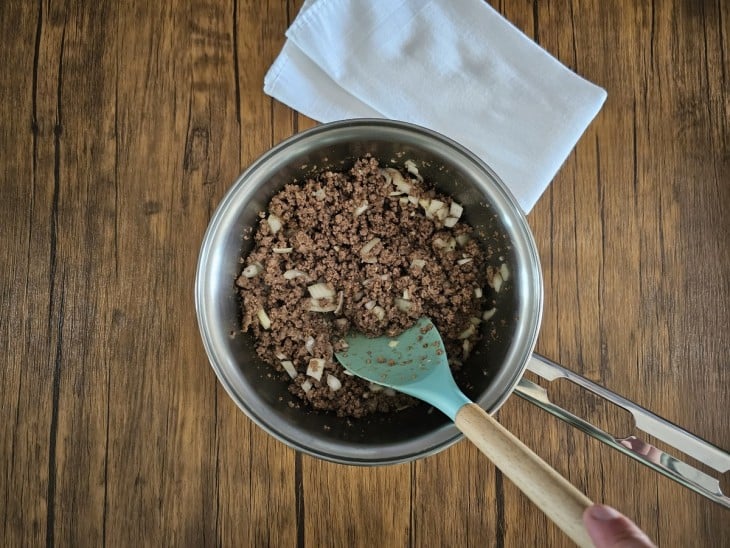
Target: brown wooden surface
{"x":122,"y":124}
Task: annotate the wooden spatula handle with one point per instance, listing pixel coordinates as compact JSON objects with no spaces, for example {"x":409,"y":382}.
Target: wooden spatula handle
{"x":551,"y":492}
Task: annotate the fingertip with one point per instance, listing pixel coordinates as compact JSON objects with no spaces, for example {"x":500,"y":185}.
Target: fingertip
{"x":608,"y":528}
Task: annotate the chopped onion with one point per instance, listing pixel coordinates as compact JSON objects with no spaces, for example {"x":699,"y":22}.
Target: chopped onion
{"x":280,"y":356}
{"x":315,"y":368}
{"x":462,"y":239}
{"x":424,"y":203}
{"x":374,"y":387}
{"x":403,"y":305}
{"x":306,"y":386}
{"x":464,"y":261}
{"x":349,"y":373}
{"x":340,"y":302}
{"x":488,"y":314}
{"x":282,"y":249}
{"x":252,"y":270}
{"x":370,"y":305}
{"x":309,"y":344}
{"x":403,"y":200}
{"x":413,"y":199}
{"x":274,"y":223}
{"x":293,"y":273}
{"x":450,"y":222}
{"x":333,"y":382}
{"x":289,"y":368}
{"x":418,"y":263}
{"x":386,"y":175}
{"x":398,"y":180}
{"x":497,"y":282}
{"x":379,"y":311}
{"x":406,"y":294}
{"x":321,"y":291}
{"x":359,"y":210}
{"x":413,"y":170}
{"x":435,"y":205}
{"x":368,"y":247}
{"x":263,"y":318}
{"x":455,"y":210}
{"x":437,"y":209}
{"x":504,"y":271}
{"x":478,"y":292}
{"x":315,"y":306}
{"x":468,"y":332}
{"x":448,"y":245}
{"x":466,"y":346}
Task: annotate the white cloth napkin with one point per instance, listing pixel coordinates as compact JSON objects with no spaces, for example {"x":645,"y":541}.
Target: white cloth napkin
{"x":454,"y":66}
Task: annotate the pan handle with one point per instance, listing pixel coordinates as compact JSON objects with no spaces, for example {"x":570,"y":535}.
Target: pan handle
{"x":632,"y":446}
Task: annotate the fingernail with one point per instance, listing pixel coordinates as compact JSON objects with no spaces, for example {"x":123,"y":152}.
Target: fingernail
{"x":603,"y":513}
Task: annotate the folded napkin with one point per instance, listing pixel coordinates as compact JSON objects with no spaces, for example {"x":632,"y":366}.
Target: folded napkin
{"x":454,"y":66}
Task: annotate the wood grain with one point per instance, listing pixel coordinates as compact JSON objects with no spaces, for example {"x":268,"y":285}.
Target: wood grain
{"x":123,"y":125}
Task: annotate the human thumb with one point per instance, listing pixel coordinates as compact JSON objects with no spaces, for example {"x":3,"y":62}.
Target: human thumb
{"x":610,"y":529}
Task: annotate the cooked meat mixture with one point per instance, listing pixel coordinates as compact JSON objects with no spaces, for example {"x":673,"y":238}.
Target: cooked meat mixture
{"x":371,"y":250}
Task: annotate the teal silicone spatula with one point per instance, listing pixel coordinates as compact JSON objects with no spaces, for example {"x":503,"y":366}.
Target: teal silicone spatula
{"x":416,"y":364}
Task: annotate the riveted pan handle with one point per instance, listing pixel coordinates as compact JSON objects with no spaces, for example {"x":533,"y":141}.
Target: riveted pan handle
{"x":646,"y":421}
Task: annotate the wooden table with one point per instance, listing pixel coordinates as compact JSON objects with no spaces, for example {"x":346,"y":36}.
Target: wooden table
{"x":122,"y":124}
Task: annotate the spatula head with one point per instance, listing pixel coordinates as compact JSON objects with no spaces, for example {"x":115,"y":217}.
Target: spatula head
{"x":414,"y":363}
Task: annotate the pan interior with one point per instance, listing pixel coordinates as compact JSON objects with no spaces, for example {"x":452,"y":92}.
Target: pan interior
{"x":494,"y":367}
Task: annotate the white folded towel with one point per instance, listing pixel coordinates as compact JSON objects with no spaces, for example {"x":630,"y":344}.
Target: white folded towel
{"x":454,"y":66}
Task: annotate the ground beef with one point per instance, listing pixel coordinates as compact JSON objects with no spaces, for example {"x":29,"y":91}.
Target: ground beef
{"x":371,"y":250}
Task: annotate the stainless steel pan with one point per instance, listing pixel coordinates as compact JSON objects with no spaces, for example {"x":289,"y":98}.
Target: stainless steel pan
{"x":492,"y":373}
